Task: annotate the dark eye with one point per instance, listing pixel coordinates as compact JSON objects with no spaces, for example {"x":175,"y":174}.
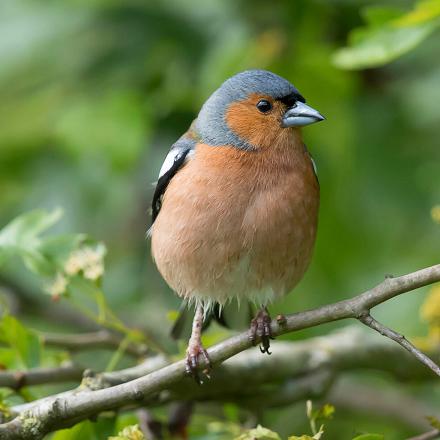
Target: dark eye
{"x":264,"y":106}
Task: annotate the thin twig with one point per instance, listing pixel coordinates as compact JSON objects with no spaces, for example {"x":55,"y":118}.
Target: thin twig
{"x":65,"y":411}
{"x":369,"y":321}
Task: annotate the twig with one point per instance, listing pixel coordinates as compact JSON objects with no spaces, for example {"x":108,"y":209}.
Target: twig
{"x":65,"y":411}
{"x":369,"y":321}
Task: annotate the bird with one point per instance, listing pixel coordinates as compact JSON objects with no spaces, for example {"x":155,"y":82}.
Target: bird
{"x":235,"y":207}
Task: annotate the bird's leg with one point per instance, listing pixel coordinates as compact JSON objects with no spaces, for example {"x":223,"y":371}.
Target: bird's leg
{"x":260,"y":329}
{"x":195,"y":347}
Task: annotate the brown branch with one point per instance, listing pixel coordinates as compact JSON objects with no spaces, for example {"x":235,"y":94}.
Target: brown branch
{"x":65,"y":411}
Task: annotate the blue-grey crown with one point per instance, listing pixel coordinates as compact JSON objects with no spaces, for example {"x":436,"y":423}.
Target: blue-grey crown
{"x":211,"y":124}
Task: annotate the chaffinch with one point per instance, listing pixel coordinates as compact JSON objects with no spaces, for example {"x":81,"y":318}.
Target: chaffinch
{"x":235,"y":208}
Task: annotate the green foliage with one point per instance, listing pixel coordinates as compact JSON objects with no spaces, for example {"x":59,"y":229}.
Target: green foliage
{"x":316,"y":416}
{"x":434,"y":422}
{"x":93,"y":93}
{"x":22,"y":237}
{"x":69,"y":265}
{"x":80,"y":431}
{"x":57,"y":257}
{"x":5,"y":410}
{"x":22,"y":342}
{"x":389,"y":34}
{"x":87,"y":430}
{"x":228,"y":429}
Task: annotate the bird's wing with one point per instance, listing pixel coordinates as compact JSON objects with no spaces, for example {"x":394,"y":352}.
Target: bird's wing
{"x":179,"y":153}
{"x":315,"y":168}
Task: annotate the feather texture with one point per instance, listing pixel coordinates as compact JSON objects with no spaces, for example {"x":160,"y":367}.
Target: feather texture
{"x":239,"y":224}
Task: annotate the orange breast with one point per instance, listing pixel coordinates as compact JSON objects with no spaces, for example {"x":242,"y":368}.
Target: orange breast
{"x":238,"y":223}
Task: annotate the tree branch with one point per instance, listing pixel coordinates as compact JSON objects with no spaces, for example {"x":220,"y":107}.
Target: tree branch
{"x":65,"y":411}
{"x":39,"y":376}
{"x":369,"y":321}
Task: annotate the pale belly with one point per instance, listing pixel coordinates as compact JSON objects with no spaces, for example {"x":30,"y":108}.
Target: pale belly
{"x":219,"y":238}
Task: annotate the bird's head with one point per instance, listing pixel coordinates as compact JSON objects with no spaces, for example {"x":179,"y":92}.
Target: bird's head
{"x":253,"y":109}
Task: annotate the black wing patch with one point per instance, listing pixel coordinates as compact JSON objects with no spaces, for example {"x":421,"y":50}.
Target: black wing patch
{"x":164,"y":181}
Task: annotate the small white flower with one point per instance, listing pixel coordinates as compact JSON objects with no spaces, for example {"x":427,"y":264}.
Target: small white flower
{"x":94,"y":271}
{"x":89,"y":260}
{"x":58,"y":286}
{"x":73,"y":264}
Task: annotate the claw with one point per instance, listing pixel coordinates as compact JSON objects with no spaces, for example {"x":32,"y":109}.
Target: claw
{"x":260,"y":329}
{"x":194,"y":352}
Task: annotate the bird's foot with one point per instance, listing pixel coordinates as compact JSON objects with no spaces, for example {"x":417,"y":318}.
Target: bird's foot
{"x":260,"y":329}
{"x":194,"y":351}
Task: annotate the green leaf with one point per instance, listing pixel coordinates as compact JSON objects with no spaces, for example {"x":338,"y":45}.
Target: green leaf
{"x":24,"y":230}
{"x":324,"y":413}
{"x":80,"y":431}
{"x":259,"y":433}
{"x":58,"y":248}
{"x":25,"y":343}
{"x":369,"y":437}
{"x":87,"y":431}
{"x":5,"y":408}
{"x":22,"y":237}
{"x":378,"y":15}
{"x":424,"y":11}
{"x":388,"y":35}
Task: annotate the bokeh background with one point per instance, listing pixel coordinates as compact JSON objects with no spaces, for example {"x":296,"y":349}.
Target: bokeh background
{"x":94,"y":92}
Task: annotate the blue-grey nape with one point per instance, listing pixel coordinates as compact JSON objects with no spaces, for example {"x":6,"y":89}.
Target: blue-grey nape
{"x":211,"y":122}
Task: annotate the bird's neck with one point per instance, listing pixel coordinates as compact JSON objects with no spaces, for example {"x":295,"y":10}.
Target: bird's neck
{"x":273,"y":156}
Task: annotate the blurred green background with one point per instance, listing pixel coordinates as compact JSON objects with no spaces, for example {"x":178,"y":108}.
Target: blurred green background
{"x":94,"y":92}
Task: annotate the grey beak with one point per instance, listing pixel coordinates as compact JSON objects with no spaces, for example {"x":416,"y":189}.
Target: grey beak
{"x":299,"y":115}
